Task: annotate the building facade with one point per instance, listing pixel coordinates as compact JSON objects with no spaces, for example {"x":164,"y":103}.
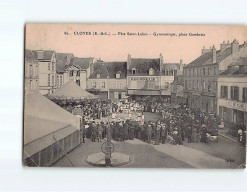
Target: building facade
{"x":200,"y":76}
{"x":31,"y":72}
{"x":108,"y":80}
{"x":232,"y":95}
{"x":47,"y":70}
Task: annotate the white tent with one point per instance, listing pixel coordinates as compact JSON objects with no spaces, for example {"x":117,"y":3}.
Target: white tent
{"x":72,"y":90}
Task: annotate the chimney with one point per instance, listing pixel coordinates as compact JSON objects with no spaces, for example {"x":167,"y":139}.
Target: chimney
{"x":40,"y":54}
{"x":224,"y":45}
{"x":181,"y":65}
{"x":213,"y":54}
{"x":161,"y":62}
{"x":234,"y":49}
{"x":128,"y":61}
{"x":205,"y":50}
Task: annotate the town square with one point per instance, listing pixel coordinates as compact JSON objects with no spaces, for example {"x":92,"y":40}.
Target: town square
{"x":137,"y":112}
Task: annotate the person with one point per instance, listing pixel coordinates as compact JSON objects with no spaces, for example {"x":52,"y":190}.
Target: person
{"x":100,"y":131}
{"x":240,"y":135}
{"x":163,"y":133}
{"x":204,"y":134}
{"x":175,"y":136}
{"x":149,"y":132}
{"x":189,"y":133}
{"x":157,"y":133}
{"x":244,"y":139}
{"x":121,"y":132}
{"x":131,"y":132}
{"x":94,"y":131}
{"x":126,"y":131}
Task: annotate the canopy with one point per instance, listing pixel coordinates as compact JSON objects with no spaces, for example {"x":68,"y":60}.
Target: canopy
{"x":43,"y":117}
{"x":73,"y":91}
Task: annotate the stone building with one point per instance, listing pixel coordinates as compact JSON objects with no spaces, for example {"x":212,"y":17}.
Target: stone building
{"x":200,"y":76}
{"x":47,"y":70}
{"x":232,"y":95}
{"x":31,"y":72}
{"x":108,"y":80}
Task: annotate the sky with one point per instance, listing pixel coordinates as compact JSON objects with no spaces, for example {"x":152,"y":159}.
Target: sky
{"x":116,"y":47}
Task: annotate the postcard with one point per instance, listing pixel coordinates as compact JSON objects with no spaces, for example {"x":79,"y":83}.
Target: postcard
{"x":135,"y":96}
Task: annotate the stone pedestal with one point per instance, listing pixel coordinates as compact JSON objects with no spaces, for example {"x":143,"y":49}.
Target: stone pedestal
{"x":117,"y":159}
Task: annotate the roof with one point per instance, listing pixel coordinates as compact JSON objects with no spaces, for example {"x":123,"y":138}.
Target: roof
{"x":47,"y":54}
{"x":142,"y":65}
{"x":171,"y":66}
{"x":83,"y":63}
{"x":109,"y":69}
{"x":60,"y":65}
{"x":233,"y":68}
{"x":72,"y":90}
{"x":206,"y":59}
{"x":63,"y":56}
{"x":29,"y":54}
{"x":43,"y":117}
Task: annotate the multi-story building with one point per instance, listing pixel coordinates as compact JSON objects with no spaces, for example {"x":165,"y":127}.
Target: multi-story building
{"x":177,"y":90}
{"x":63,"y":60}
{"x":47,"y":70}
{"x":78,"y":70}
{"x":232,"y":94}
{"x":200,"y":76}
{"x":168,"y":72}
{"x":143,"y":77}
{"x":31,"y":72}
{"x":108,"y":80}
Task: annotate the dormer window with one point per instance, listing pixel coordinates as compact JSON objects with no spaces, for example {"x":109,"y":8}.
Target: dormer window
{"x":133,"y":71}
{"x":98,"y":76}
{"x":118,"y":75}
{"x":151,"y":71}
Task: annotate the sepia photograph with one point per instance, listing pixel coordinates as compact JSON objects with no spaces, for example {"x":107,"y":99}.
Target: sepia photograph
{"x":135,"y":96}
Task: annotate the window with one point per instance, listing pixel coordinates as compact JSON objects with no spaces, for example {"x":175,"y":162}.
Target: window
{"x":198,"y":72}
{"x":94,"y":84}
{"x":57,"y":80}
{"x":98,"y":76}
{"x":121,"y":85}
{"x":186,"y":84}
{"x":190,"y":72}
{"x":133,"y":71}
{"x":209,"y":71}
{"x":241,"y":69}
{"x":78,"y":82}
{"x":61,"y":80}
{"x":151,"y":71}
{"x":204,"y":72}
{"x":48,"y":79}
{"x":52,"y":80}
{"x":209,"y":86}
{"x":31,"y":70}
{"x":166,"y":85}
{"x":103,"y":85}
{"x":52,"y":65}
{"x":115,"y":95}
{"x":118,"y":75}
{"x":78,"y":73}
{"x":203,"y":85}
{"x":244,"y":94}
{"x":193,"y":85}
{"x":71,"y":73}
{"x":166,"y":72}
{"x":193,"y":72}
{"x":234,"y":93}
{"x":198,"y":85}
{"x":214,"y":71}
{"x":49,"y":66}
{"x":123,"y":94}
{"x":224,"y":92}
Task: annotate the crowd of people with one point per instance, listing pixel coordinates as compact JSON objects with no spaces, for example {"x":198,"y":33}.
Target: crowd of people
{"x":175,"y":125}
